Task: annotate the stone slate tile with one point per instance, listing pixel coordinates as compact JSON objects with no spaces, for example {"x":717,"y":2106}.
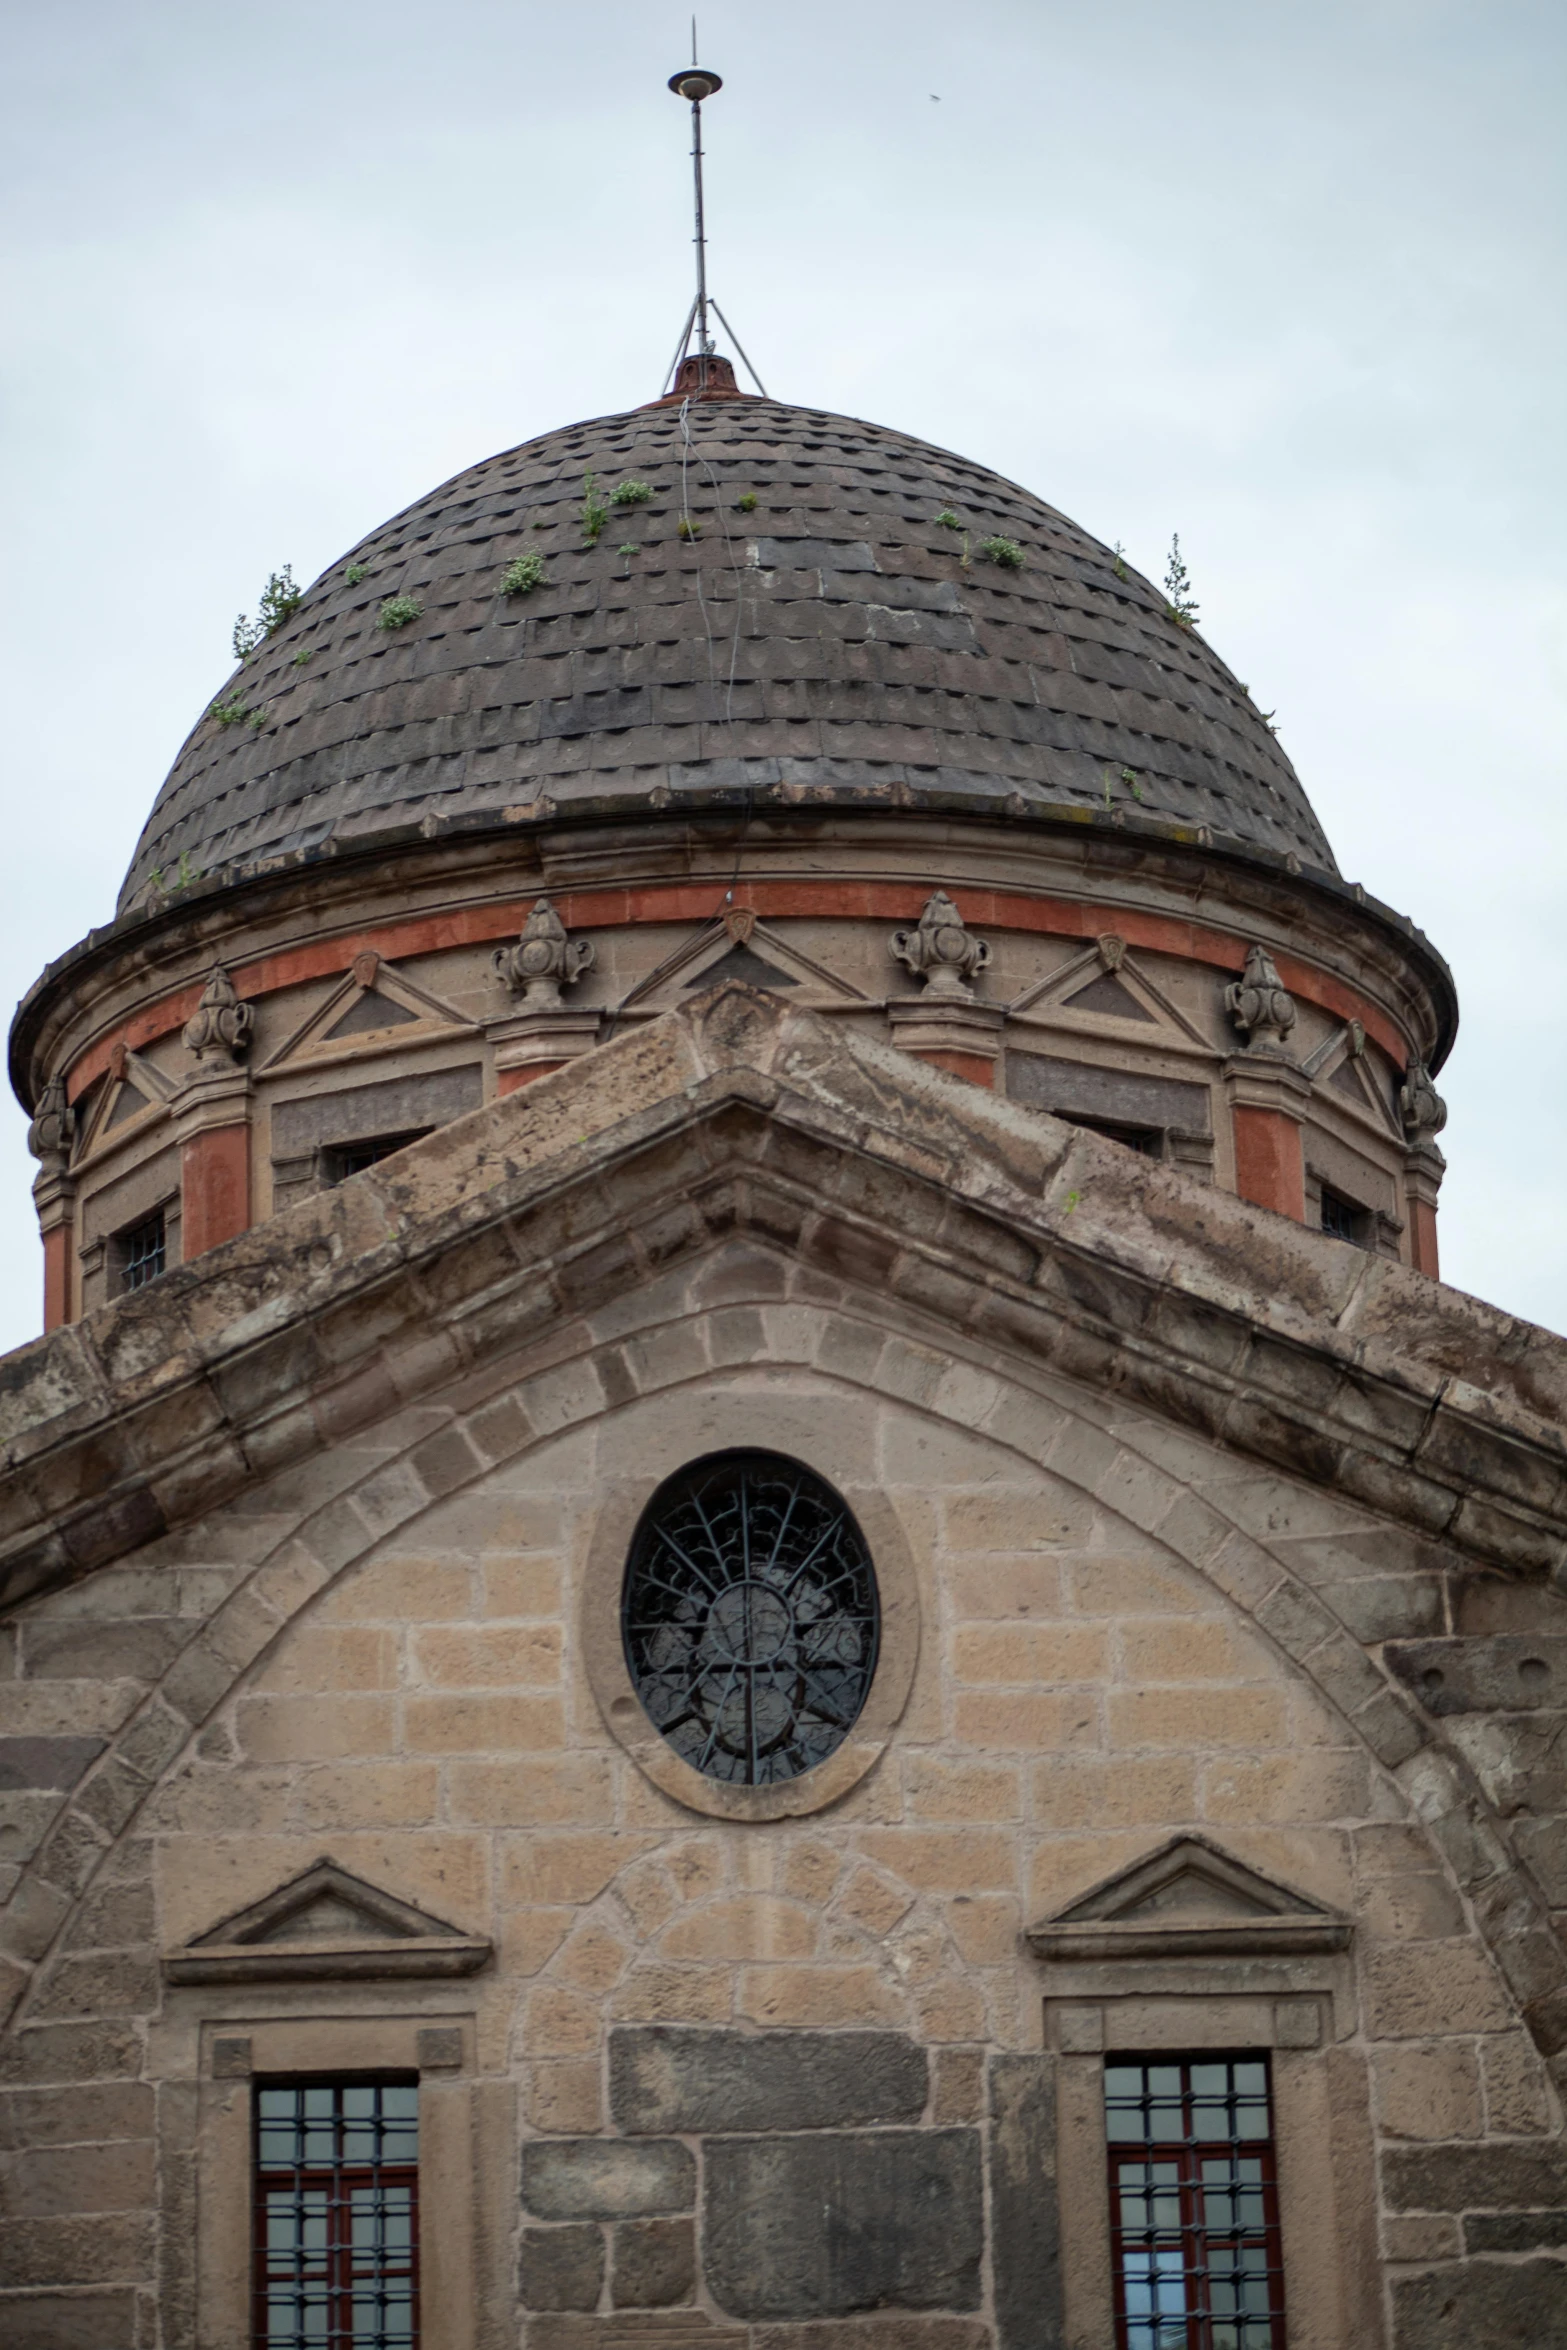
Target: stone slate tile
{"x":840,"y":498}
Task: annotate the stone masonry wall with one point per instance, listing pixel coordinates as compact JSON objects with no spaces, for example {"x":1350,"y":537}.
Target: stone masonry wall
{"x":378,"y":1656}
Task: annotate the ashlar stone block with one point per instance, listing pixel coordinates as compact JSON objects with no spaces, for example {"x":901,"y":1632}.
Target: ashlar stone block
{"x":829,"y":2223}
{"x":664,"y":2078}
{"x":607,"y":2178}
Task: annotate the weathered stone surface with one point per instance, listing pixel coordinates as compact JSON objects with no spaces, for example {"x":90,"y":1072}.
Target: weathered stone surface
{"x":79,"y":2321}
{"x":1516,"y":2231}
{"x":1475,"y":2178}
{"x":828,"y":2224}
{"x":561,"y":2268}
{"x":606,"y":2178}
{"x":1491,"y":2305}
{"x":654,"y":2264}
{"x":1025,"y":2225}
{"x":663,"y":2078}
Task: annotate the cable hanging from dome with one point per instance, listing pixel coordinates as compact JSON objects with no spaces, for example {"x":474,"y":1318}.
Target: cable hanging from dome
{"x":696,"y":82}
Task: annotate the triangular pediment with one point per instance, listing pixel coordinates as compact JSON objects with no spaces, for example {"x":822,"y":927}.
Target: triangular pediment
{"x":1189,"y":1898}
{"x":326,"y":1922}
{"x":1341,"y":1063}
{"x":739,"y":945}
{"x":373,"y":1000}
{"x":1105,"y":990}
{"x":132,"y":1086}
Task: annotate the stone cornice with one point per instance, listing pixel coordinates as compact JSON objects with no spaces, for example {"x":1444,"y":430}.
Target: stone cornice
{"x":162,"y":953}
{"x":1000,"y":1225}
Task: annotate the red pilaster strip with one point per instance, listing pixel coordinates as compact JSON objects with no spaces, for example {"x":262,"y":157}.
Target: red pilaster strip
{"x":1270,"y":1168}
{"x":57,"y":1276}
{"x":214,"y":1188}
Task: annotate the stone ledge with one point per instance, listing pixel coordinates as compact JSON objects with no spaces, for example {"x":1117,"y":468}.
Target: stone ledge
{"x":1421,"y":1403}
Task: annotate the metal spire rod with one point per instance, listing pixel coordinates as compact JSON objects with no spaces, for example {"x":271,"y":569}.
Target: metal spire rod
{"x":697,"y":82}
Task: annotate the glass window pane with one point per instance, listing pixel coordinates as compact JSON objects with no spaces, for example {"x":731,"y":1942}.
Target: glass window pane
{"x":337,"y":2250}
{"x":1195,"y":2223}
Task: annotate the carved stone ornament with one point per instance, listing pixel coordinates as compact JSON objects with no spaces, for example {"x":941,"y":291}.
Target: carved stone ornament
{"x":53,"y":1129}
{"x":1420,"y":1106}
{"x":219,"y":1029}
{"x":942,"y":952}
{"x":1259,"y":1003}
{"x":544,"y":960}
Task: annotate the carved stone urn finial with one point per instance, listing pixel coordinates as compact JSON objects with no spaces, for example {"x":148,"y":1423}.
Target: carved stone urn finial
{"x":219,"y":1028}
{"x":1420,"y":1106}
{"x":544,"y":960}
{"x":1259,"y":1003}
{"x":53,"y":1129}
{"x":942,"y":951}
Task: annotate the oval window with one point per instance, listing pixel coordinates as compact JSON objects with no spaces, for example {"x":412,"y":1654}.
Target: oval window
{"x":750,"y":1617}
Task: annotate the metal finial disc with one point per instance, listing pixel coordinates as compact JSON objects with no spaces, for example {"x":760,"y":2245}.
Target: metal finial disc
{"x":695,"y":82}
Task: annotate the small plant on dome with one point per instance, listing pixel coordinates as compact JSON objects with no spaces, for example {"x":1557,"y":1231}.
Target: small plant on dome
{"x":1006,"y":552}
{"x":232,"y":712}
{"x":1268,"y":717}
{"x":947,"y":520}
{"x":1119,"y":564}
{"x":356,"y":572}
{"x":747,"y":503}
{"x":1178,"y":588}
{"x":304,"y":654}
{"x":631,"y":493}
{"x":523,"y":576}
{"x":397,"y":612}
{"x":280,"y":600}
{"x":188,"y":872}
{"x":627,"y":550}
{"x":689,"y":529}
{"x":257,"y":720}
{"x":594,"y":516}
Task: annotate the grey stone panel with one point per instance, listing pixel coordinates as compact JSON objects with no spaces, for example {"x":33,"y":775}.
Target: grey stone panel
{"x":606,"y":2178}
{"x":46,"y":1762}
{"x":1516,"y":1673}
{"x":1061,"y":659}
{"x":654,"y":2264}
{"x":832,"y":2223}
{"x":561,"y":2268}
{"x":669,"y":2077}
{"x":1517,"y":2231}
{"x":1490,"y":2305}
{"x":362,"y":1111}
{"x":1507,"y":2177}
{"x":1025,"y":2220}
{"x":1074,"y":1090}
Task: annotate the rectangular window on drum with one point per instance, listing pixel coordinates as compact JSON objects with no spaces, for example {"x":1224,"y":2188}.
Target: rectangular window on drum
{"x":1193,"y":2203}
{"x":337,"y":2216}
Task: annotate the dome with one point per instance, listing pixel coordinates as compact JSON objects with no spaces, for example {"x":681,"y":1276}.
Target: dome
{"x":835,"y":631}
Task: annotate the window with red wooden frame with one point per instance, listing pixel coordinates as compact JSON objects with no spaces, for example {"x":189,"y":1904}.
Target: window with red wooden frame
{"x":337,"y":2215}
{"x":1194,"y":2203}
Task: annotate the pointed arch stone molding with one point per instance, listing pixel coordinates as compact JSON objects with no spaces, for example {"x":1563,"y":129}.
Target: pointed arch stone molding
{"x":488,"y":1272}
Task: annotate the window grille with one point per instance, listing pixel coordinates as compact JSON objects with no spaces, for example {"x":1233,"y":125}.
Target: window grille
{"x":1194,"y":2204}
{"x":140,"y":1252}
{"x":750,"y":1617}
{"x":1342,"y":1218}
{"x":341,"y":1159}
{"x":337,"y":2216}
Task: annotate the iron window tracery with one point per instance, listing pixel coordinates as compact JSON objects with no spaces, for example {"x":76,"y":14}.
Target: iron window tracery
{"x":337,"y":2192}
{"x":750,"y":1617}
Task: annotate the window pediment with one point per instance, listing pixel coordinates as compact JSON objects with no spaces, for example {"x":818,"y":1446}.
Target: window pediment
{"x":1190,"y":1900}
{"x":326,"y":1924}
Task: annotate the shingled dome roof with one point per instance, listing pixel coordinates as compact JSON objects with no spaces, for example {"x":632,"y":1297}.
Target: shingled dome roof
{"x":877,"y":656}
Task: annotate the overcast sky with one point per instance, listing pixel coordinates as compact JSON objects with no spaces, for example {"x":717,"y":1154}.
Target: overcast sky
{"x":1286,"y":279}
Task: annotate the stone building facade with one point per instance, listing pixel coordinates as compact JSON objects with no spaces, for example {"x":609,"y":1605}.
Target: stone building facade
{"x":824,"y":1027}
